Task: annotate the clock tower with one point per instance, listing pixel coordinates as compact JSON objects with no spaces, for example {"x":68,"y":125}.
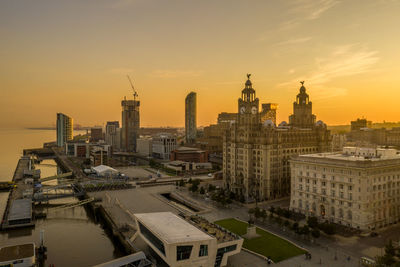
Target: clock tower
{"x":248,"y":105}
{"x":302,"y":110}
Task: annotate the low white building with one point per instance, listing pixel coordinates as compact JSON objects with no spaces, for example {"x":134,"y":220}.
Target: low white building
{"x":187,"y":242}
{"x":358,"y":187}
{"x":144,"y":145}
{"x":180,"y":166}
{"x":163,"y":144}
{"x":104,"y":171}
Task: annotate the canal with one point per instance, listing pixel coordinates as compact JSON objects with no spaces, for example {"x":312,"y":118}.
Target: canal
{"x":74,"y":237}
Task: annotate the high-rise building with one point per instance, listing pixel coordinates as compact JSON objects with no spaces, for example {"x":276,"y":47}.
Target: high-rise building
{"x":96,"y":134}
{"x":65,"y":128}
{"x":357,"y":187}
{"x":111,"y":133}
{"x":130,"y":124}
{"x":190,"y":117}
{"x":256,"y":153}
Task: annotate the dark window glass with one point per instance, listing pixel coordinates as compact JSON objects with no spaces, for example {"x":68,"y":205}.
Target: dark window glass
{"x":221,"y":252}
{"x":183,"y":252}
{"x":203,"y":250}
{"x":152,"y":238}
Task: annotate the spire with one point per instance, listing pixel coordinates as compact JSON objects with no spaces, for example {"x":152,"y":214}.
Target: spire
{"x":302,"y":88}
{"x":248,"y":82}
{"x":248,"y":93}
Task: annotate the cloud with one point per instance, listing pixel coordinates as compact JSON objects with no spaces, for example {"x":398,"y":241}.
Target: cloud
{"x":311,"y":9}
{"x":344,"y":60}
{"x":175,"y":73}
{"x":294,"y":41}
{"x":303,"y":10}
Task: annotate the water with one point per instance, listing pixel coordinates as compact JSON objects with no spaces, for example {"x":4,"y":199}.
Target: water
{"x":72,"y":236}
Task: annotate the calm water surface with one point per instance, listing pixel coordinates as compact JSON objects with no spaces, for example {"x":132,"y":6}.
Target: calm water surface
{"x":72,"y":236}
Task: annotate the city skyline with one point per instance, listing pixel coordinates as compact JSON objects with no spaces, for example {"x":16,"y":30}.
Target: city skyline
{"x":85,"y":53}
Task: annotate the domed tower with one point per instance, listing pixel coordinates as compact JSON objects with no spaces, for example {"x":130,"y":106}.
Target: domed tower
{"x":248,"y":104}
{"x":302,"y":110}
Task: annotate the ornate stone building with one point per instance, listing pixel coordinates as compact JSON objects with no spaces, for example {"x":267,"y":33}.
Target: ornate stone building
{"x":358,"y":187}
{"x":256,"y":153}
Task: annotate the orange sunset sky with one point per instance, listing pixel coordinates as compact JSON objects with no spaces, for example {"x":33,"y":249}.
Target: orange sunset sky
{"x":73,"y":57}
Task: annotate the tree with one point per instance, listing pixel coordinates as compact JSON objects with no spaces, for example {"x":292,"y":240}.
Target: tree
{"x":272,"y":209}
{"x":295,"y":227}
{"x":202,"y":190}
{"x":286,"y":223}
{"x":315,"y":233}
{"x":305,"y":230}
{"x":194,"y":187}
{"x":328,"y":228}
{"x":263,"y":214}
{"x":211,"y":188}
{"x":312,"y":222}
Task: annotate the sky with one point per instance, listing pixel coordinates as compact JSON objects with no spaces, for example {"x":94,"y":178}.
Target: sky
{"x":73,"y":57}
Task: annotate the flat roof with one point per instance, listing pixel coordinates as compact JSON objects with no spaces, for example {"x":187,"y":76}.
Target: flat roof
{"x":347,"y":157}
{"x":17,"y":252}
{"x":172,"y":228}
{"x":20,"y":209}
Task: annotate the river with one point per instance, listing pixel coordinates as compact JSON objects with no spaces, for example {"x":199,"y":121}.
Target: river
{"x":72,"y":236}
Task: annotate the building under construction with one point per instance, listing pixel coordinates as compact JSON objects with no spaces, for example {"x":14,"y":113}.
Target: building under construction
{"x":130,"y":122}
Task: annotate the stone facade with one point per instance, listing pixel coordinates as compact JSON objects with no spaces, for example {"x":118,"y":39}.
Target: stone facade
{"x":256,"y":153}
{"x":359,"y":187}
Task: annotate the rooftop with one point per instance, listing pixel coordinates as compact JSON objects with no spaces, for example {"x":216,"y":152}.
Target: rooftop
{"x":17,"y":252}
{"x":171,"y":227}
{"x":358,"y":154}
{"x":20,"y":209}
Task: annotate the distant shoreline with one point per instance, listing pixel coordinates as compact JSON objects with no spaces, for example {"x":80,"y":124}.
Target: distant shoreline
{"x":49,"y":128}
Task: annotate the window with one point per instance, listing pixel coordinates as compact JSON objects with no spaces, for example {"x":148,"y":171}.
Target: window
{"x":183,"y":252}
{"x":152,"y":238}
{"x":203,"y":250}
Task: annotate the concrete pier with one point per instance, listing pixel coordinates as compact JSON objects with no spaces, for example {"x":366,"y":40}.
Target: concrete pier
{"x":18,"y":211}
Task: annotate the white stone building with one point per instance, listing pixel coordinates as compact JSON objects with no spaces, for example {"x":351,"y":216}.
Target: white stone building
{"x":163,"y":144}
{"x":358,"y":187}
{"x":144,"y":145}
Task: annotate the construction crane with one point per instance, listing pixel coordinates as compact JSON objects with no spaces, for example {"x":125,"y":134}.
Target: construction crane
{"x":133,"y":88}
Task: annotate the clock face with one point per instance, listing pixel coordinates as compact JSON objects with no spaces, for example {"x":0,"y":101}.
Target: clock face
{"x":242,"y":109}
{"x":254,"y":110}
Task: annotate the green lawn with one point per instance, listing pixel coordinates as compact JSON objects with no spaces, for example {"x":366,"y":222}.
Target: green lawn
{"x":266,"y":244}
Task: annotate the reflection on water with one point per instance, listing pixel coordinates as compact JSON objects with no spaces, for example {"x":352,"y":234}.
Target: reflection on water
{"x":73,"y":236}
